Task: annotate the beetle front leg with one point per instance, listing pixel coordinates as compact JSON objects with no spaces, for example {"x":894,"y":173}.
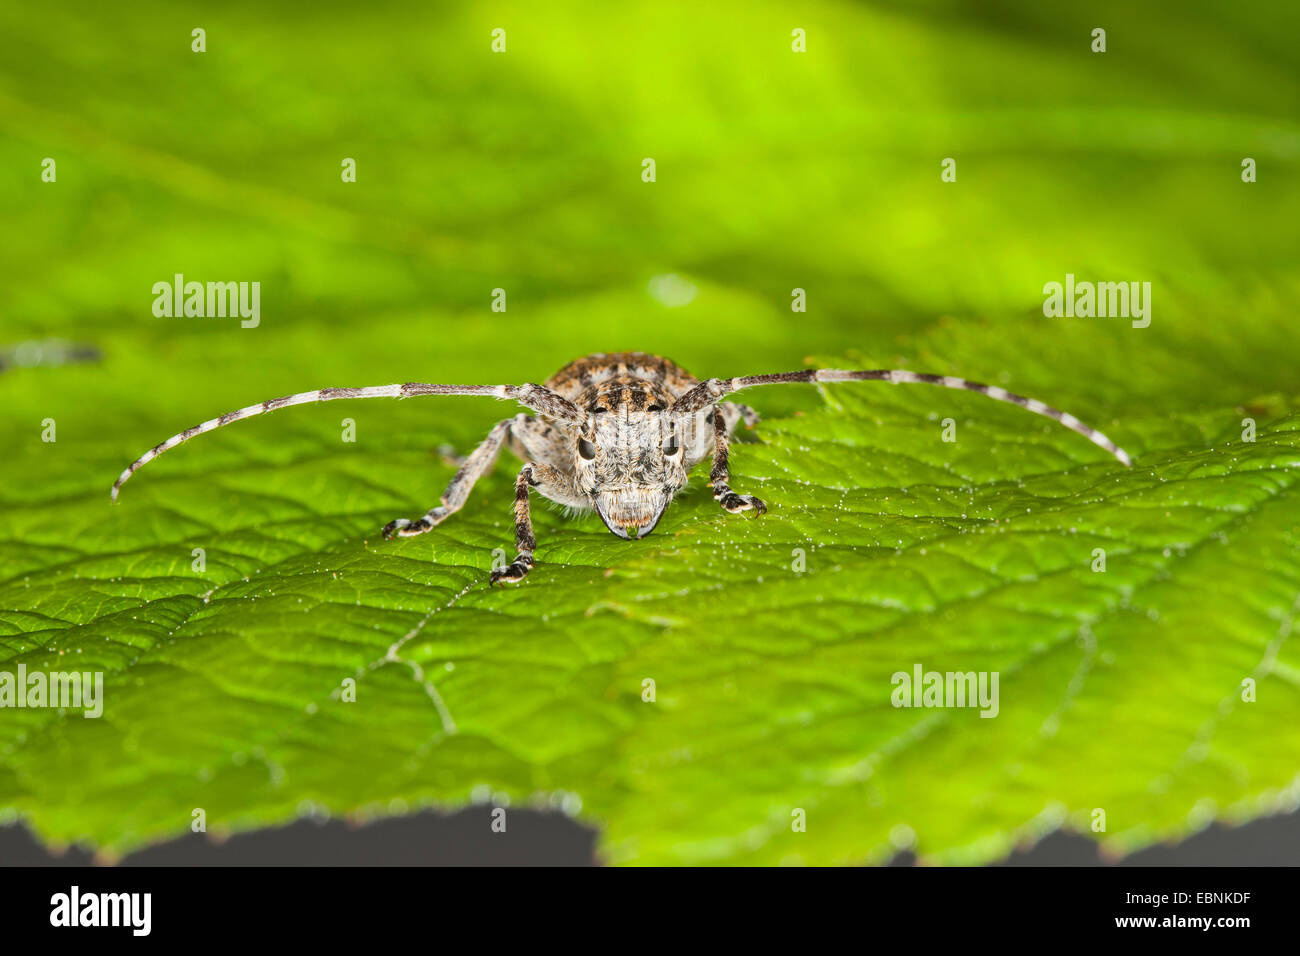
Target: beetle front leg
{"x":474,"y":467}
{"x":532,"y":475}
{"x":719,"y":475}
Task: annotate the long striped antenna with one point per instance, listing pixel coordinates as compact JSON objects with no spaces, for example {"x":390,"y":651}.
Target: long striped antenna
{"x":536,"y":397}
{"x":708,"y":392}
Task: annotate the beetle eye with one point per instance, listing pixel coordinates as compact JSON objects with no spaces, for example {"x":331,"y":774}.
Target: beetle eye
{"x":586,"y":449}
{"x":671,"y":446}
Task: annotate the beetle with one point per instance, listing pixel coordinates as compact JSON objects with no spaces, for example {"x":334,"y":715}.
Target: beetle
{"x":614,"y":433}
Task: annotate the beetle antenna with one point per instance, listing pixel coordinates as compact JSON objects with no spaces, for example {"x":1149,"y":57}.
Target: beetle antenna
{"x":536,"y":397}
{"x":709,"y":392}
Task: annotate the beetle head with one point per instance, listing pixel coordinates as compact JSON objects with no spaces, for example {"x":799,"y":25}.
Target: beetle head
{"x":629,"y":464}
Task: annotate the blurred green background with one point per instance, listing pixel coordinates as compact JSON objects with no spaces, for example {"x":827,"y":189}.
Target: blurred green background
{"x":522,"y":171}
{"x":475,"y":171}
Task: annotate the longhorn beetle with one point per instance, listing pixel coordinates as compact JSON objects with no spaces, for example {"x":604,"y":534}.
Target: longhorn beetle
{"x":614,"y":433}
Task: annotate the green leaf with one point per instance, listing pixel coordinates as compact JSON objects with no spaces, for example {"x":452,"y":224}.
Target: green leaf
{"x":772,"y":643}
{"x":772,"y":684}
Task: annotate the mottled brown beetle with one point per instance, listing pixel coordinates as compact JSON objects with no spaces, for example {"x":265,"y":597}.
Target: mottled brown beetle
{"x":615,"y":433}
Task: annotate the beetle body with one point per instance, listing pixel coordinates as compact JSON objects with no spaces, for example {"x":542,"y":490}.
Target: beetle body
{"x":617,"y":433}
